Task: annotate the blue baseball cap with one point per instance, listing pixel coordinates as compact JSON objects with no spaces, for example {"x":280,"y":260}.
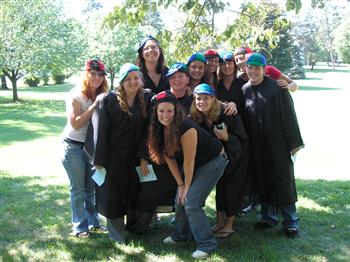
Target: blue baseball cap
{"x":125,"y":70}
{"x":204,"y":89}
{"x":226,"y":56}
{"x":177,"y":67}
{"x":197,"y":57}
{"x":256,"y":59}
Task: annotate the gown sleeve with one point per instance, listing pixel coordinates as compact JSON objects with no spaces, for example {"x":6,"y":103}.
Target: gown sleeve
{"x":102,"y":134}
{"x":289,"y":120}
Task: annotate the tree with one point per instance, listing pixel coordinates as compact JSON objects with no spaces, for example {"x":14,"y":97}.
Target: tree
{"x":342,"y":40}
{"x":32,"y":36}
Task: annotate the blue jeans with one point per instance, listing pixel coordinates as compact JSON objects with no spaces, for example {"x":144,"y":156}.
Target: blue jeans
{"x":82,"y":188}
{"x":269,"y":214}
{"x":190,"y":219}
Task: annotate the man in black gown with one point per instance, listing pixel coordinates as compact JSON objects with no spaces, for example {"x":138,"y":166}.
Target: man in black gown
{"x":275,"y":138}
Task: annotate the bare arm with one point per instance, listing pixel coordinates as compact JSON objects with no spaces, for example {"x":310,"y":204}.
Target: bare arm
{"x":76,"y":117}
{"x":285,"y":82}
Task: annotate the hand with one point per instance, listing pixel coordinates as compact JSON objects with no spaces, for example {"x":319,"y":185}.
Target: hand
{"x":180,"y":190}
{"x":183,"y":196}
{"x":230,"y":109}
{"x":221,"y":134}
{"x":143,"y":166}
{"x":282,"y":83}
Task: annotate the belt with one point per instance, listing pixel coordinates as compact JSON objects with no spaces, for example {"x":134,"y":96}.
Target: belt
{"x":68,"y":140}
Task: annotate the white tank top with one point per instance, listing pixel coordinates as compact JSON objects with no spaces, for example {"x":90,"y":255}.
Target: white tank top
{"x":69,"y":131}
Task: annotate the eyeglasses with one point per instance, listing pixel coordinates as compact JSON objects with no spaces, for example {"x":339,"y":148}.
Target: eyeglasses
{"x":96,"y":74}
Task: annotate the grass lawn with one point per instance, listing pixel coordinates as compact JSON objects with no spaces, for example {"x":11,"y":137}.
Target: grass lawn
{"x":34,"y":202}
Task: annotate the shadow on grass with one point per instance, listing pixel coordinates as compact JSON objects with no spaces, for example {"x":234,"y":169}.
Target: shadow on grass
{"x":63,"y":88}
{"x":35,"y":226}
{"x":31,"y":119}
{"x":317,"y":88}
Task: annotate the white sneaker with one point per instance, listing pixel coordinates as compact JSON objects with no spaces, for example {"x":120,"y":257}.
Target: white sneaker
{"x":169,"y":240}
{"x":198,"y":254}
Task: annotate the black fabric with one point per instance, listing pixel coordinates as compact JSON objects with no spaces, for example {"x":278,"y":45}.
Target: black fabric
{"x":208,"y":147}
{"x":273,"y":129}
{"x":185,"y":103}
{"x":235,"y":183}
{"x":119,"y":137}
{"x":233,"y":94}
{"x":162,"y":85}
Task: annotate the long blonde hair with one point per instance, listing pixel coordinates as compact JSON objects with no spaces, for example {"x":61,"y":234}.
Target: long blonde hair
{"x":213,"y":114}
{"x":123,"y":103}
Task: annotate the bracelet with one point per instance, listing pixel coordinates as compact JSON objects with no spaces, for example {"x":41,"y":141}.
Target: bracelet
{"x":181,"y":185}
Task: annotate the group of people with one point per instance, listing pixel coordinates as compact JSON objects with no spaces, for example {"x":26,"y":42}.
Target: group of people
{"x":165,"y":137}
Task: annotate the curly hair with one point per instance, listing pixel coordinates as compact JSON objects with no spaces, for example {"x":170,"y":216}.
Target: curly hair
{"x":140,"y":61}
{"x":123,"y":103}
{"x":87,"y":90}
{"x":213,"y":114}
{"x":159,"y":144}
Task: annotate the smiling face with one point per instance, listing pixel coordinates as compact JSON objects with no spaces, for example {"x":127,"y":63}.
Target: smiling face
{"x":196,"y":70}
{"x":95,"y":78}
{"x":151,"y":51}
{"x":255,"y":74}
{"x":179,"y":81}
{"x":227,"y":68}
{"x":241,"y":60}
{"x":132,"y":82}
{"x":213,"y":64}
{"x":165,"y":113}
{"x":203,"y":102}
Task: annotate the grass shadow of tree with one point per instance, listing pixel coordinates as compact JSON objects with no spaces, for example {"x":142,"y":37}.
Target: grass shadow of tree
{"x":35,"y":226}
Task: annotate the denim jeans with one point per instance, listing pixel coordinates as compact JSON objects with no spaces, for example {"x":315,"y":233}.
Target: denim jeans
{"x":190,"y":219}
{"x":82,"y":188}
{"x":269,"y":214}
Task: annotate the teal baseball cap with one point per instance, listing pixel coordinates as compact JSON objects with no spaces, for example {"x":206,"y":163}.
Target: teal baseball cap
{"x":177,"y":67}
{"x":204,"y":89}
{"x":256,"y":60}
{"x":125,"y":70}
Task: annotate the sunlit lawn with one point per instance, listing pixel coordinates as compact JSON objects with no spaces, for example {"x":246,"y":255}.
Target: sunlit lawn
{"x":34,"y":203}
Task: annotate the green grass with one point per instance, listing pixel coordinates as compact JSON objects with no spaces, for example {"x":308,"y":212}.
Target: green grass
{"x":35,"y":212}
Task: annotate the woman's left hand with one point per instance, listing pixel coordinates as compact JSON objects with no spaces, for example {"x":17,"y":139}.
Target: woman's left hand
{"x":230,"y":109}
{"x":221,"y":134}
{"x":143,"y":166}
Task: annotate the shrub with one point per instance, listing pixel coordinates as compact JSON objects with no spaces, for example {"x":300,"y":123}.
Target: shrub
{"x":59,"y":78}
{"x":32,"y":80}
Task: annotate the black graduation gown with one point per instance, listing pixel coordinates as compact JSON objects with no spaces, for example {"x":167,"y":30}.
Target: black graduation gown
{"x":235,"y":183}
{"x":273,"y":129}
{"x":119,"y":139}
{"x":233,"y":94}
{"x":162,"y":85}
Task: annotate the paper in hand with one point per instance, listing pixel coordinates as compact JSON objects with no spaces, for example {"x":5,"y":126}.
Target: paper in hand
{"x":150,"y":177}
{"x":99,"y":176}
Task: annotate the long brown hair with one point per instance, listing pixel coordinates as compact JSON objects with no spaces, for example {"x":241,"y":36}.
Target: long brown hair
{"x":158,"y":144}
{"x":87,"y":90}
{"x":221,"y":75}
{"x":123,"y":103}
{"x":213,"y":114}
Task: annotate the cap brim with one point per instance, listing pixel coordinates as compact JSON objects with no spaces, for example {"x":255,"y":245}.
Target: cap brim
{"x":255,"y":63}
{"x":203,"y":92}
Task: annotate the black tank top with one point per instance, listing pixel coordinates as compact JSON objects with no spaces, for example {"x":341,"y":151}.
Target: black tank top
{"x":208,"y":147}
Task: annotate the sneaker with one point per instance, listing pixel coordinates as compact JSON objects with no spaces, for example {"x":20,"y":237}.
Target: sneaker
{"x":84,"y":234}
{"x":198,"y":254}
{"x":291,"y":232}
{"x":100,"y":229}
{"x":169,"y":240}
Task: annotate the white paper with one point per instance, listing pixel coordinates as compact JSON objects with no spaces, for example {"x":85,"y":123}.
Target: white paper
{"x":150,"y":177}
{"x":99,"y":176}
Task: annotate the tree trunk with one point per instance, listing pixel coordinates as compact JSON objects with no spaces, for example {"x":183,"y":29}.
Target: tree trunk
{"x":3,"y":83}
{"x":14,"y":88}
{"x":111,"y":75}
